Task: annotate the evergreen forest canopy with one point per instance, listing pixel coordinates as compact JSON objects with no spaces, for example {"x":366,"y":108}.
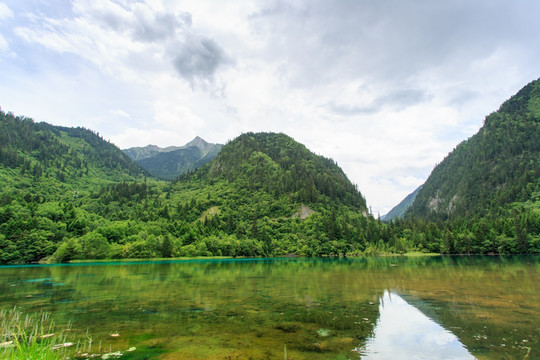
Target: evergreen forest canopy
{"x":67,"y":194}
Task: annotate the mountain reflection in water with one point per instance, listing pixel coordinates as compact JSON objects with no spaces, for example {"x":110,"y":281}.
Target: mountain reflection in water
{"x":404,"y":332}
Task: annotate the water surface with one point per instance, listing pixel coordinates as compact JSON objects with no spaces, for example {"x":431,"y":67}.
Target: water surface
{"x":404,"y":332}
{"x":368,"y":308}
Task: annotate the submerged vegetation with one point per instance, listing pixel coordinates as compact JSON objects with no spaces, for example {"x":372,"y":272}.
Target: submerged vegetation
{"x":67,"y":194}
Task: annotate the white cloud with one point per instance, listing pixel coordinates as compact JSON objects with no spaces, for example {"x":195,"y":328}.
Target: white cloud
{"x":3,"y":44}
{"x":5,"y":11}
{"x":120,"y":113}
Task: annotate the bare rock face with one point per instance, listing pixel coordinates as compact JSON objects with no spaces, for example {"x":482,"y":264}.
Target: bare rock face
{"x":303,"y":212}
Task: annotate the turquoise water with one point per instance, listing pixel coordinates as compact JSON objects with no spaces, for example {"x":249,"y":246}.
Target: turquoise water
{"x":366,"y":308}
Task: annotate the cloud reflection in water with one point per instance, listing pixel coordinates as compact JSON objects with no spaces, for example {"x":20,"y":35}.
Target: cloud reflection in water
{"x":404,"y":332}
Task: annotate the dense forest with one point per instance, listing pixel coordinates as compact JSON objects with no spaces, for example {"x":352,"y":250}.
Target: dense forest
{"x":497,"y":166}
{"x":486,"y":192}
{"x":67,"y":194}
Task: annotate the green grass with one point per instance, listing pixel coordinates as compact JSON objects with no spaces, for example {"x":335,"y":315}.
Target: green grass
{"x":30,"y":337}
{"x":35,"y":337}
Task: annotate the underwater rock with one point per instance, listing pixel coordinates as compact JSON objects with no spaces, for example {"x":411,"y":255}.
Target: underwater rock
{"x":111,"y":355}
{"x":323,"y":332}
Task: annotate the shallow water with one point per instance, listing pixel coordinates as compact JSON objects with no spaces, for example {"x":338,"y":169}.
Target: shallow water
{"x":368,"y":308}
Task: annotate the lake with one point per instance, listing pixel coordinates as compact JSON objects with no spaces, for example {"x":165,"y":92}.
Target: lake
{"x":363,"y":308}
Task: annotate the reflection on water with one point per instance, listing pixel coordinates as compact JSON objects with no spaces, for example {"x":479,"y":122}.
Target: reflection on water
{"x":316,"y":309}
{"x":404,"y":332}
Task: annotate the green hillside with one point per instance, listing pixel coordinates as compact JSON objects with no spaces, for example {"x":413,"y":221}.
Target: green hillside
{"x":68,"y":194}
{"x":499,"y":165}
{"x":40,"y":152}
{"x":268,"y":192}
{"x":279,"y":165}
{"x":485,"y":195}
{"x":46,"y":172}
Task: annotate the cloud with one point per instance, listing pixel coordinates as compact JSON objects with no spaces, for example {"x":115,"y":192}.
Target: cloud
{"x":195,"y":57}
{"x":389,"y":42}
{"x":120,"y":113}
{"x":396,"y":100}
{"x":139,"y":19}
{"x":160,"y":26}
{"x":351,"y":110}
{"x":104,"y":12}
{"x":112,"y":35}
{"x":3,"y":43}
{"x":197,"y":60}
{"x":5,"y":11}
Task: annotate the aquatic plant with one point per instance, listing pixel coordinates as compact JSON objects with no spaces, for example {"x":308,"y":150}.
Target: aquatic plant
{"x":35,"y":337}
{"x":30,"y":337}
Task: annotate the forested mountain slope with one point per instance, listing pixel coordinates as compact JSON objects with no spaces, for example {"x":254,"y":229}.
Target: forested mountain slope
{"x":41,"y":151}
{"x":499,"y":165}
{"x":279,"y":165}
{"x":46,"y":172}
{"x":273,"y":193}
{"x":67,"y":194}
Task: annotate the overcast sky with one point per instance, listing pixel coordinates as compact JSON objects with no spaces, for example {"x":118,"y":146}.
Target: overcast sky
{"x":384,"y":87}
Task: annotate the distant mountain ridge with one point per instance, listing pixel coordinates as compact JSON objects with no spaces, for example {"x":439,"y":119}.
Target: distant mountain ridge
{"x":170,"y":162}
{"x":400,"y":209}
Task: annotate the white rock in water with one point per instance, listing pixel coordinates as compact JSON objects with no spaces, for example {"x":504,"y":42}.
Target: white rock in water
{"x":112,"y":355}
{"x":323,"y":332}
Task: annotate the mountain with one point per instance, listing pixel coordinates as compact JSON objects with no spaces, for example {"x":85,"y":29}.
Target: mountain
{"x":170,"y":162}
{"x":400,"y":209}
{"x":497,"y":166}
{"x":67,"y":155}
{"x":279,"y":165}
{"x":52,"y":180}
{"x":138,"y":153}
{"x":276,"y":197}
{"x":67,"y":194}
